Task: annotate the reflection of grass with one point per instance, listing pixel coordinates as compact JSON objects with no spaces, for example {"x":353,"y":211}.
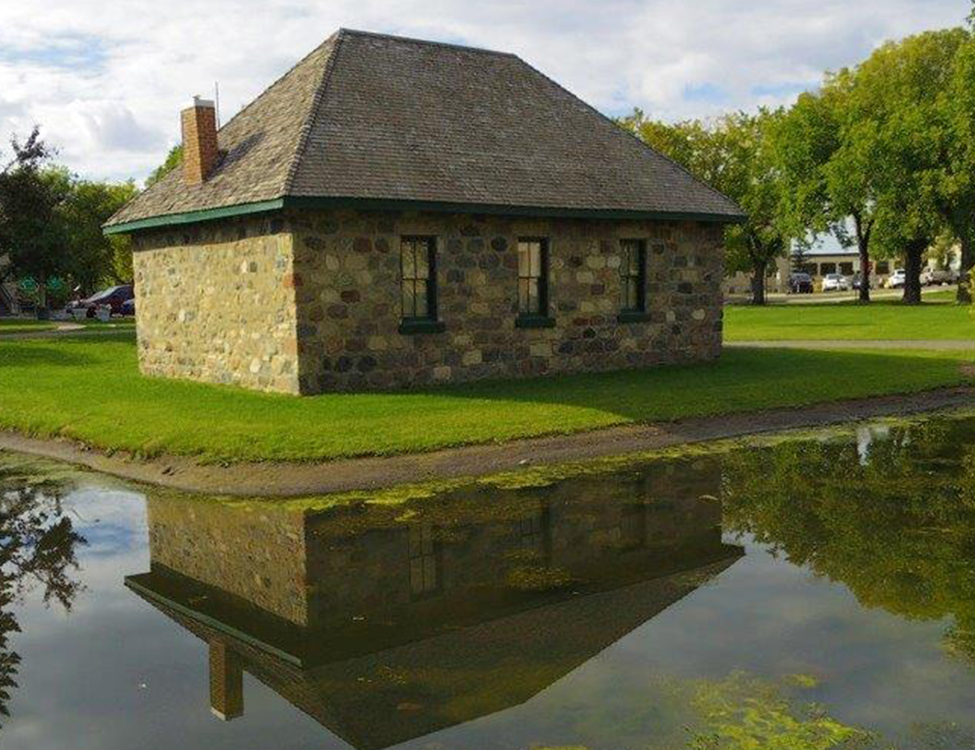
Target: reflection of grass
{"x":879,"y":320}
{"x":90,"y":389}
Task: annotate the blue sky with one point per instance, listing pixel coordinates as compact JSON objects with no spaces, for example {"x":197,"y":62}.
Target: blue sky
{"x":106,"y":78}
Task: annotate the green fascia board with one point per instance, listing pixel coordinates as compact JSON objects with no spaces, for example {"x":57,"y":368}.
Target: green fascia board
{"x":380,"y":204}
{"x":193,"y":217}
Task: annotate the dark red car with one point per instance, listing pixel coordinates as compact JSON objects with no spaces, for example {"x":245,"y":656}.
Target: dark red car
{"x":113,"y":297}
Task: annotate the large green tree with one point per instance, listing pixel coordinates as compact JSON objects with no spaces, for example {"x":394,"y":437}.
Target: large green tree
{"x":732,"y":154}
{"x":31,"y":236}
{"x":824,"y":155}
{"x":901,"y":96}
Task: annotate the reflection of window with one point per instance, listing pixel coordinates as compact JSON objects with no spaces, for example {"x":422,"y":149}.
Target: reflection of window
{"x":535,"y":533}
{"x":424,"y":561}
{"x":532,"y":277}
{"x":419,"y":278}
{"x":633,"y":526}
{"x":633,"y":272}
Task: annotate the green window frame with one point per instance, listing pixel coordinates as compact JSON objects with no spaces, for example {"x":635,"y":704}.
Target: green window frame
{"x":418,"y":279}
{"x":633,"y":276}
{"x":532,"y":277}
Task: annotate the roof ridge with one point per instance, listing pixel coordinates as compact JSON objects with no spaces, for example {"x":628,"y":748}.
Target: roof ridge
{"x":316,"y":101}
{"x":632,"y":135}
{"x":426,"y":42}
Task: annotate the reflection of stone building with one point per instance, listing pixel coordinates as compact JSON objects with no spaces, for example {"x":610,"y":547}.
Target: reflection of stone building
{"x":386,"y":624}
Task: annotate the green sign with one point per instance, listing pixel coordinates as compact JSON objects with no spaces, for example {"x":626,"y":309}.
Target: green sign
{"x":28,"y":285}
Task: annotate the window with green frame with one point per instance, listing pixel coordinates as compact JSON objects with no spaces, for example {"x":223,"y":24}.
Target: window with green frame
{"x":532,"y":277}
{"x":418,"y":271}
{"x":633,"y":276}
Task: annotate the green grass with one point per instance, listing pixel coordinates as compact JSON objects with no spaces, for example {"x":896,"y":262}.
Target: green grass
{"x":885,"y":320}
{"x":90,"y":389}
{"x":24,"y":325}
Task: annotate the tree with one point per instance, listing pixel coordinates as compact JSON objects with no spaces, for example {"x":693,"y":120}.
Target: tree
{"x":731,"y":154}
{"x":30,"y":234}
{"x":824,"y":155}
{"x":92,"y":257}
{"x":173,"y":159}
{"x":901,"y":96}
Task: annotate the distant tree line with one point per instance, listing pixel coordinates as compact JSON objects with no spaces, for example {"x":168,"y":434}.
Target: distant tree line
{"x":51,"y":239}
{"x":882,"y":155}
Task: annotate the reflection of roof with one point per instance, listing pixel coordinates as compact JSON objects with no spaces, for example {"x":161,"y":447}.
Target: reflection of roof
{"x":379,"y":118}
{"x":385,"y":697}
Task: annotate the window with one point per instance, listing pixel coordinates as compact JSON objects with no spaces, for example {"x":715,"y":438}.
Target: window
{"x":532,"y":279}
{"x":846,"y":268}
{"x":424,"y":561}
{"x":827,"y":268}
{"x":418,"y":273}
{"x":883,"y":267}
{"x":534,"y":531}
{"x":633,"y":277}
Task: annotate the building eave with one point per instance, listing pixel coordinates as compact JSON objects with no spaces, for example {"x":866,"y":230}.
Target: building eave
{"x":382,"y":204}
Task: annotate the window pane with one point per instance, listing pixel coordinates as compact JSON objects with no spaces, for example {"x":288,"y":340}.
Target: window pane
{"x":422,"y":307}
{"x":523,"y":295}
{"x":409,"y":265}
{"x":533,"y":300}
{"x":523,"y":259}
{"x":536,"y":259}
{"x":409,"y":299}
{"x":422,"y":255}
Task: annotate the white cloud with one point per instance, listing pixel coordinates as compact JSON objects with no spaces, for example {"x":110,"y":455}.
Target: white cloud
{"x":106,"y":78}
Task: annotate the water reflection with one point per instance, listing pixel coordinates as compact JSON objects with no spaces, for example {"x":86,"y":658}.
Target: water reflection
{"x":390,"y":623}
{"x":37,"y":549}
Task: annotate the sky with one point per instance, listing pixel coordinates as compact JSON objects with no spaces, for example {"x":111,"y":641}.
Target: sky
{"x":105,"y":79}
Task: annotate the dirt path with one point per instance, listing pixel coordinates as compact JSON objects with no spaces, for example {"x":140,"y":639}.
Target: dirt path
{"x":64,"y":330}
{"x":936,"y":344}
{"x":294,"y":479}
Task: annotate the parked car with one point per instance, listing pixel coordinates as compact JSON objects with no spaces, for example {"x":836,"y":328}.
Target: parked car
{"x":128,"y":307}
{"x":113,"y":297}
{"x":858,"y":279}
{"x":939,"y":277}
{"x":897,"y":279}
{"x":835,"y":282}
{"x":800,"y":283}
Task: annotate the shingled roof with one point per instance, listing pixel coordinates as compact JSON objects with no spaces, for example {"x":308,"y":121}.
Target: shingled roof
{"x":380,"y":121}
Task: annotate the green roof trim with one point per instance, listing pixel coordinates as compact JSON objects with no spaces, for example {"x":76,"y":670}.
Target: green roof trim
{"x":376,"y":204}
{"x":192,"y":217}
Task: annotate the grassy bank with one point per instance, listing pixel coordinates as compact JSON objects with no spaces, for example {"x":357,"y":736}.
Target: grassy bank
{"x":887,"y":320}
{"x":90,"y":390}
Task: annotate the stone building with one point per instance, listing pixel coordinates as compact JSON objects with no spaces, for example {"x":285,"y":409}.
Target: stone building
{"x":395,"y":212}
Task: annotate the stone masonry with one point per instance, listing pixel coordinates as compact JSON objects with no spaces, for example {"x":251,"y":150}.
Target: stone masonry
{"x":309,"y":302}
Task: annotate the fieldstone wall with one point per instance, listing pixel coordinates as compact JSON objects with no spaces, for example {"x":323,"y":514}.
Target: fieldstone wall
{"x":309,"y":302}
{"x":215,"y":302}
{"x":347,"y":275}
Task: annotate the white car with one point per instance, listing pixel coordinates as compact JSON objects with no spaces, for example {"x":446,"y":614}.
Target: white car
{"x":835,"y":282}
{"x":897,"y":279}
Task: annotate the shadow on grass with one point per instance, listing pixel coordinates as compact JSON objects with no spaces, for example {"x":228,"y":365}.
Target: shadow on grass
{"x":28,"y":353}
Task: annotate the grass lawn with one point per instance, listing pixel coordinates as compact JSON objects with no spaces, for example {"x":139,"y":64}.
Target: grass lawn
{"x":878,"y":320}
{"x":89,"y":389}
{"x":24,"y":325}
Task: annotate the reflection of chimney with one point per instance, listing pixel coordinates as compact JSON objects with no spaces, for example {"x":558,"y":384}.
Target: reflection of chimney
{"x":226,"y":682}
{"x":199,"y":140}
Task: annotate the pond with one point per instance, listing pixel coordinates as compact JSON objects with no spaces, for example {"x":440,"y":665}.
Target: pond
{"x":809,"y":592}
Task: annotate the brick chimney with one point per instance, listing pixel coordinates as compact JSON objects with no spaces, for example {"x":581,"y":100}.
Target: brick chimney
{"x":226,"y":682}
{"x":199,"y":140}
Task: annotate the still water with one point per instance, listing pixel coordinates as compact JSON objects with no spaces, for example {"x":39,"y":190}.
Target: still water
{"x":813,"y":593}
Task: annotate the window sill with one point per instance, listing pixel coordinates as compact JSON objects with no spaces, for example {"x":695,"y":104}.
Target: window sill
{"x":534,"y":321}
{"x":633,"y":316}
{"x":412,"y":327}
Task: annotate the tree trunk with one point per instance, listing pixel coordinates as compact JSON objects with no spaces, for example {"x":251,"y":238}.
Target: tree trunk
{"x":863,"y":246}
{"x":758,"y":283}
{"x":912,"y":272}
{"x":965,"y":271}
